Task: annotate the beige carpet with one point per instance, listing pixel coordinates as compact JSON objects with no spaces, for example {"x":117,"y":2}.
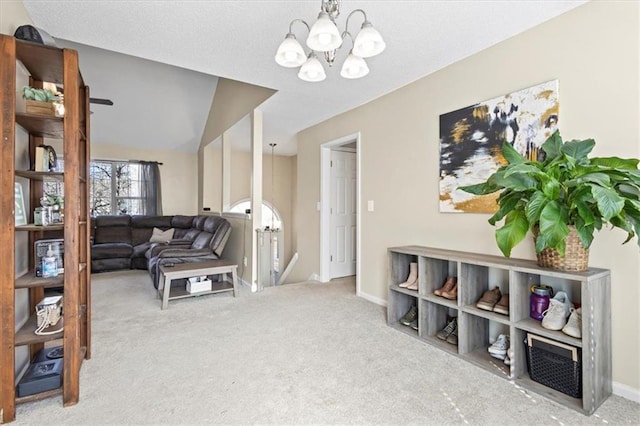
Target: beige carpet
{"x":305,"y":353}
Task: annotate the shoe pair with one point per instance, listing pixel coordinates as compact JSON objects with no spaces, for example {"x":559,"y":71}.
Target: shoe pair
{"x":509,"y":358}
{"x":410,"y":319}
{"x":494,"y":301}
{"x":449,"y":290}
{"x":412,"y":280}
{"x":500,"y":347}
{"x":555,"y":317}
{"x":450,"y":333}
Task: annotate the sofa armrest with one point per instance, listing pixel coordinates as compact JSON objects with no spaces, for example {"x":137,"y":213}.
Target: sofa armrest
{"x":157,"y":248}
{"x":181,"y":252}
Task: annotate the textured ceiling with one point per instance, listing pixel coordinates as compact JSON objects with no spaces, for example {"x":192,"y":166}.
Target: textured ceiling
{"x":238,"y":40}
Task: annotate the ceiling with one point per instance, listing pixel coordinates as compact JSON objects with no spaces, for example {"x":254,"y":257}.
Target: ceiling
{"x":238,"y":40}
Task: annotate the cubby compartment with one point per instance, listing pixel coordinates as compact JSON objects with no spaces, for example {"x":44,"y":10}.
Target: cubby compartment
{"x":436,"y":272}
{"x":400,"y":268}
{"x":474,"y":280}
{"x":475,"y":336}
{"x":398,"y":304}
{"x":521,"y":302}
{"x":433,"y":318}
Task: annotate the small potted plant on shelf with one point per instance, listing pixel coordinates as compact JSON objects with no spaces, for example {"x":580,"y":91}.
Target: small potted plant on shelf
{"x":43,"y":101}
{"x":562,"y":200}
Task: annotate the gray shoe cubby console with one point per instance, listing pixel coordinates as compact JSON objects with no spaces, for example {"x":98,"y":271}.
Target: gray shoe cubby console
{"x":478,"y":329}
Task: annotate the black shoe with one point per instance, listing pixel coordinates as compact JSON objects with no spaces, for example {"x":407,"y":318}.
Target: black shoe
{"x":410,"y":316}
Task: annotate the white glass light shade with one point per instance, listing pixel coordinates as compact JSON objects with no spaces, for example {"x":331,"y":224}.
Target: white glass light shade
{"x":354,"y":67}
{"x":368,"y":42}
{"x":324,"y":35}
{"x":312,"y":70}
{"x":290,"y":53}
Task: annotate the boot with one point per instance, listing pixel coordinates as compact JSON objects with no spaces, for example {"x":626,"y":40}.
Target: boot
{"x":447,"y":287}
{"x":413,"y":275}
{"x":452,"y":294}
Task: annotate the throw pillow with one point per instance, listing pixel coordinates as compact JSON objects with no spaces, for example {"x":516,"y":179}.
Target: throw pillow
{"x":160,"y":236}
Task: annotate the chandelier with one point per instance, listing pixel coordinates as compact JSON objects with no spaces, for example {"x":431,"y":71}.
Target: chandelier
{"x":325,"y":37}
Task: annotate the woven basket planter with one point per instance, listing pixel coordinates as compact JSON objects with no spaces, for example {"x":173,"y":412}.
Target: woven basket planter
{"x":576,"y":257}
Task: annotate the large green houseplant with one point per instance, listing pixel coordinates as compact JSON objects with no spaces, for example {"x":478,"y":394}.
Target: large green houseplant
{"x":566,"y":189}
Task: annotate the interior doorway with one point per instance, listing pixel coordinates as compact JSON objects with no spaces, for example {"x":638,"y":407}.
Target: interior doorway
{"x":340,"y":209}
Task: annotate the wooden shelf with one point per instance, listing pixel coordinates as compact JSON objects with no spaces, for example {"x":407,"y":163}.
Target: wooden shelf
{"x":491,"y":316}
{"x":39,"y":396}
{"x":27,"y":336}
{"x":441,"y":301}
{"x":533,"y":326}
{"x":50,"y":393}
{"x":44,"y":63}
{"x":30,"y":174}
{"x":32,"y":227}
{"x":41,"y":125}
{"x":395,"y":287}
{"x":29,"y":280}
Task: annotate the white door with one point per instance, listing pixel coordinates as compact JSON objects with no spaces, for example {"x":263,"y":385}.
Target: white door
{"x":343,"y":214}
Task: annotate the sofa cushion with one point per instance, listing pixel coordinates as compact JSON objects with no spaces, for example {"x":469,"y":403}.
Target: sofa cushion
{"x":141,"y":249}
{"x":112,"y":229}
{"x":184,"y":222}
{"x":142,"y":227}
{"x":160,"y":236}
{"x":202,"y":240}
{"x":111,"y":251}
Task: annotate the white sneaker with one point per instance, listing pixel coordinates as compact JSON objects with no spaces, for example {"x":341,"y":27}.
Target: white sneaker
{"x":499,"y":348}
{"x":574,"y":324}
{"x":555,"y":317}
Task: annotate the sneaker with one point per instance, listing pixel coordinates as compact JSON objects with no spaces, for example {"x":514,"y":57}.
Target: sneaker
{"x":574,"y":324}
{"x":555,"y":317}
{"x":410,"y":316}
{"x":502,"y":307}
{"x":450,"y":328}
{"x":453,"y":337}
{"x":489,"y":299}
{"x":499,"y":348}
{"x":414,"y":324}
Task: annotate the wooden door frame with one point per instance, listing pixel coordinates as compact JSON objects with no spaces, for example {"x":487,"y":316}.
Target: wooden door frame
{"x":325,"y":203}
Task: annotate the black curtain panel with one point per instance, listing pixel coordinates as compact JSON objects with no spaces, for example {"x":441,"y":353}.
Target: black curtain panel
{"x":150,"y":189}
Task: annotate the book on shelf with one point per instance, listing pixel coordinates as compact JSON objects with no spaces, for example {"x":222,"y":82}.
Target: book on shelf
{"x":41,"y":163}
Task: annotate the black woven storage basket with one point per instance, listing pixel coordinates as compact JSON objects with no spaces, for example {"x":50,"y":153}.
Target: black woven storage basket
{"x":555,"y":371}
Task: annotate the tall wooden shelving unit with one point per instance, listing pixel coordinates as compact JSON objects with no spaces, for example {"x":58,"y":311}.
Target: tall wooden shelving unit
{"x":59,"y":66}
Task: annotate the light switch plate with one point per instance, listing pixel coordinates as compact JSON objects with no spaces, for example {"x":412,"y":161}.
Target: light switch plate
{"x":370,"y":205}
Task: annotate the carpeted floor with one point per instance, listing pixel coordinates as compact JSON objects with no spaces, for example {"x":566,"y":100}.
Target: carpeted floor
{"x":305,"y":353}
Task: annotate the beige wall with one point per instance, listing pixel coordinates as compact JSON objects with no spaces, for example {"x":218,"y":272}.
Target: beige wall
{"x":232,"y":101}
{"x":178,"y":174}
{"x":284,"y":178}
{"x":592,"y":50}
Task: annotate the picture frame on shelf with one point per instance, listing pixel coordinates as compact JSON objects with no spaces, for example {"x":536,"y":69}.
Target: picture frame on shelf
{"x":19,"y":210}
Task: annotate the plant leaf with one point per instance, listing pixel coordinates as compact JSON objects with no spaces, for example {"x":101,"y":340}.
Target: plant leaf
{"x":578,"y":149}
{"x":507,"y":204}
{"x":552,"y":146}
{"x":553,"y":225}
{"x":551,"y":189}
{"x":585,"y":232}
{"x":616,"y":162}
{"x":609,"y":202}
{"x":480,"y":188}
{"x":535,"y":205}
{"x":517,"y":182}
{"x":511,"y":155}
{"x":513,"y":232}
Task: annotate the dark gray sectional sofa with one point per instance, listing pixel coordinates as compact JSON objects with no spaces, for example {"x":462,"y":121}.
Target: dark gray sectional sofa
{"x":122,"y":242}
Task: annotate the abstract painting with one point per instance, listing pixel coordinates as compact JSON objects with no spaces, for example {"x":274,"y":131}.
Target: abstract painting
{"x":471,"y":139}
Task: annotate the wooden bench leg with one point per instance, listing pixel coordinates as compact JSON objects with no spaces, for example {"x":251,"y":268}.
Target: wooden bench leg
{"x":234,"y":277}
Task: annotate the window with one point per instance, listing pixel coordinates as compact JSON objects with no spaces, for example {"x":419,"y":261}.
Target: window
{"x":115,"y":188}
{"x":270,"y":217}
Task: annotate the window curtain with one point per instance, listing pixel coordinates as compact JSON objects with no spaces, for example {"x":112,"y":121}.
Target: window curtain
{"x":150,"y":190}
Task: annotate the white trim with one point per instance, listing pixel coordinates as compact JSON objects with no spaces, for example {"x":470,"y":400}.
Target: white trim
{"x":325,"y":185}
{"x":370,"y":298}
{"x":313,"y":277}
{"x":626,"y":392}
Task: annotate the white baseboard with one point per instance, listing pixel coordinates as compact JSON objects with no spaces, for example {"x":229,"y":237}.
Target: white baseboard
{"x":371,"y":298}
{"x":626,"y":392}
{"x":314,"y":277}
